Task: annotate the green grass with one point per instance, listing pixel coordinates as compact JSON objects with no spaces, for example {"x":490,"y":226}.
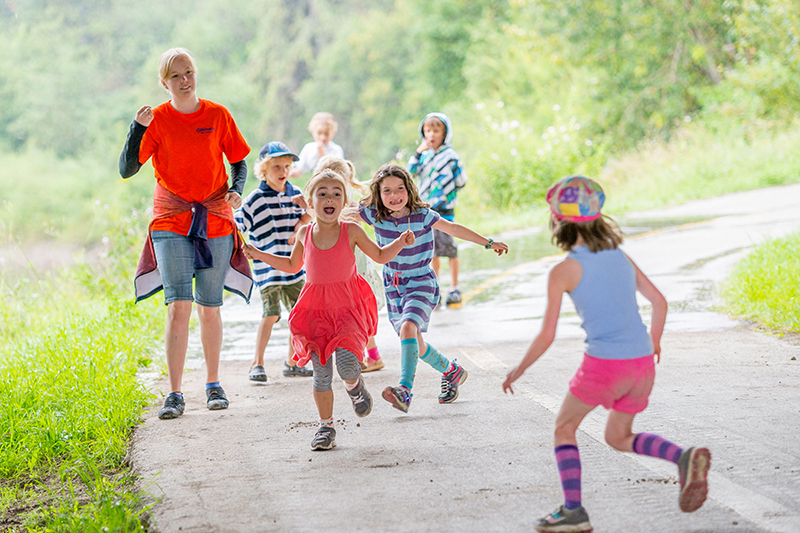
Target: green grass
{"x":698,"y":164}
{"x":69,"y":395}
{"x":765,"y":285}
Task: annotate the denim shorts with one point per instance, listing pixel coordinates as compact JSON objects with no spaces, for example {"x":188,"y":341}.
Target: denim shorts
{"x":175,"y":258}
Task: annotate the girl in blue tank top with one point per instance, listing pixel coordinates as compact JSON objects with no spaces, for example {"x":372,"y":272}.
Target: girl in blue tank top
{"x":618,"y":368}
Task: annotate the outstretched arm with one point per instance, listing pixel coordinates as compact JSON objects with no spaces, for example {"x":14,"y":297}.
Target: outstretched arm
{"x":290,"y":264}
{"x":375,"y":252}
{"x":564,"y":277}
{"x":659,"y":307}
{"x":463,"y":232}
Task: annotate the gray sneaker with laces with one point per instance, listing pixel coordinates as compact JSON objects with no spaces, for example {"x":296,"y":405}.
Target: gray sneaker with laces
{"x":325,"y":438}
{"x":564,"y":520}
{"x":451,"y":382}
{"x":361,"y":398}
{"x":173,"y":407}
{"x":216,"y":399}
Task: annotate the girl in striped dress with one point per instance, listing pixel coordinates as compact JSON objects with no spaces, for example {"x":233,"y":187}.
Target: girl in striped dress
{"x":412,"y":290}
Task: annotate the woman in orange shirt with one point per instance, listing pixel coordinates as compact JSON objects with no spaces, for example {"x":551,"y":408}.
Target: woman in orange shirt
{"x":193,"y":234}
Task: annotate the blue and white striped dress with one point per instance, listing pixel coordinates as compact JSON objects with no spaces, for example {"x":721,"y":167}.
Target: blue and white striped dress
{"x":412,"y":290}
{"x":269,"y":217}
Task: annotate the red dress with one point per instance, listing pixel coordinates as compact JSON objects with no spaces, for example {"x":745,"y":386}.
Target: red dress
{"x":336,"y":308}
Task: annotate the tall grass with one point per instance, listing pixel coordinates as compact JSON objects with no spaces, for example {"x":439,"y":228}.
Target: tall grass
{"x":765,"y":285}
{"x":697,"y":163}
{"x":69,"y":395}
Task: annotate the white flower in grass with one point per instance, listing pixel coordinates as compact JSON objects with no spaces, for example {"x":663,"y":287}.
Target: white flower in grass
{"x":495,"y":157}
{"x":540,"y":152}
{"x":687,"y":118}
{"x":500,"y":103}
{"x":514,"y":152}
{"x":565,"y":137}
{"x":478,"y":106}
{"x":514,"y":124}
{"x":556,"y":107}
{"x":588,"y":142}
{"x":512,"y":137}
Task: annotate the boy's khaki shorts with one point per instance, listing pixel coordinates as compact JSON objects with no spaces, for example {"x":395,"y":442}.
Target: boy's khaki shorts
{"x":273,"y":295}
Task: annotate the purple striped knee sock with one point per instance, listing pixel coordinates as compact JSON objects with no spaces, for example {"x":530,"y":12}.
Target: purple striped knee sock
{"x":655,"y":446}
{"x":569,"y":468}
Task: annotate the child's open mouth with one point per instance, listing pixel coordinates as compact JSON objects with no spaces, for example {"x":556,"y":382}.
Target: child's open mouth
{"x":329,"y":210}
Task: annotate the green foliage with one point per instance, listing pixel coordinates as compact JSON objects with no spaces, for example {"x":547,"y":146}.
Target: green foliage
{"x":69,"y":394}
{"x":696,"y":163}
{"x":73,"y":74}
{"x":765,"y":285}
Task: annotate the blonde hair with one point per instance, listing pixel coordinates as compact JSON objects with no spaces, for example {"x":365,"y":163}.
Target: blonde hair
{"x":345,"y":169}
{"x":260,"y":168}
{"x":374,"y":200}
{"x":598,"y":234}
{"x":324,"y":119}
{"x":169,"y":57}
{"x":320,"y":176}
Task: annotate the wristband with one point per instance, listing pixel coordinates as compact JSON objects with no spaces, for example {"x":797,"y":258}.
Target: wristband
{"x":488,"y":246}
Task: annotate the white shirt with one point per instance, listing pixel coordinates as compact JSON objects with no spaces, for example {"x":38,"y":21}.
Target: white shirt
{"x":309,"y":155}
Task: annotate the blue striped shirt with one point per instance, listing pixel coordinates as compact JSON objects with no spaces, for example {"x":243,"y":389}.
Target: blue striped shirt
{"x":421,"y":223}
{"x":268,"y":217}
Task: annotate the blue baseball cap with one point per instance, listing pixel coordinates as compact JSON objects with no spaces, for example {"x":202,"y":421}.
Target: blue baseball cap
{"x":276,"y":149}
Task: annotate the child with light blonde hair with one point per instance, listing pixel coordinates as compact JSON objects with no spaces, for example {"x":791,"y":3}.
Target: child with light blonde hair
{"x":271,"y":218}
{"x":323,"y":128}
{"x":336,"y":311}
{"x":364,"y":265}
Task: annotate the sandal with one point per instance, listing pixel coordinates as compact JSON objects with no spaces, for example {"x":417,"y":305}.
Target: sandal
{"x":296,"y":371}
{"x":257,"y":373}
{"x":370,"y":365}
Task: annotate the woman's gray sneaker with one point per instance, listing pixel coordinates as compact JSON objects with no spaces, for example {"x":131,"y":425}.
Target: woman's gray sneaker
{"x":325,"y":439}
{"x":173,"y":407}
{"x":216,"y":399}
{"x":362,"y":401}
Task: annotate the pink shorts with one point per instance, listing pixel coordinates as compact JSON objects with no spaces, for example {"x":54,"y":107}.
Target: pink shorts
{"x":623,"y":385}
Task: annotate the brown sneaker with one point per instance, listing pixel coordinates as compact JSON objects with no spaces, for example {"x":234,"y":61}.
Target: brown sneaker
{"x":693,"y":466}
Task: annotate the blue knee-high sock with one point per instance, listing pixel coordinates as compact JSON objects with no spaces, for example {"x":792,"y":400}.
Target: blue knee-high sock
{"x":409,"y":353}
{"x":434,"y":358}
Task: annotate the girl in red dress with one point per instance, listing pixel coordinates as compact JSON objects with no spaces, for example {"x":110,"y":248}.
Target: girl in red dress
{"x":336,"y":312}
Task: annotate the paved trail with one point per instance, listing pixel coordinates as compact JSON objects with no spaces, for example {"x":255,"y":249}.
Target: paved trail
{"x":485,"y":462}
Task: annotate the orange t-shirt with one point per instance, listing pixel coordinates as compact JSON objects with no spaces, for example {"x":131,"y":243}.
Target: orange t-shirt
{"x":187,"y":150}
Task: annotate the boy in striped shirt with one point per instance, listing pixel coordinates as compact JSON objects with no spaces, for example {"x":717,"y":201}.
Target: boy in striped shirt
{"x":271,"y":219}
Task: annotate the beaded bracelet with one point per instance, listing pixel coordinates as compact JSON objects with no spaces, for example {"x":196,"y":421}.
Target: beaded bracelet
{"x":487,"y":246}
